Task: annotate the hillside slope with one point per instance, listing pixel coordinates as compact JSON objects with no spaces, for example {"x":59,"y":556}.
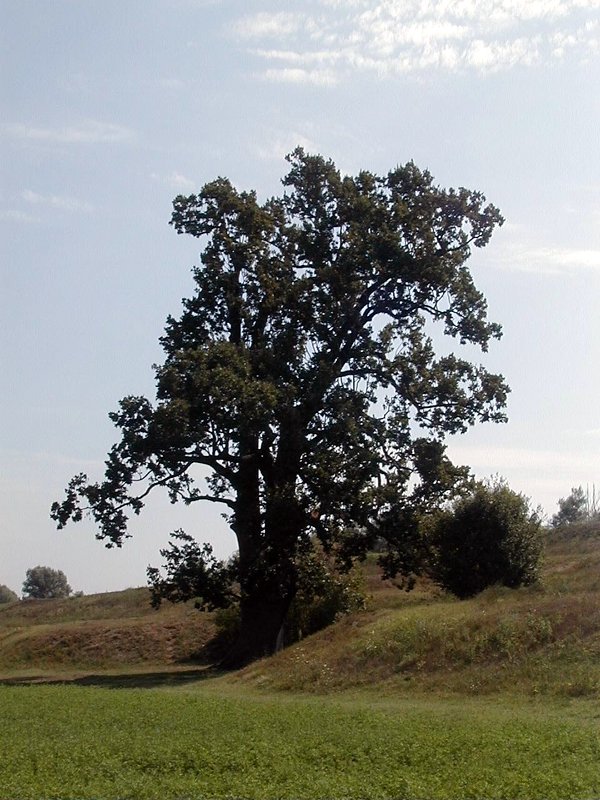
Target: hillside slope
{"x":101,"y":631}
{"x":542,"y":640}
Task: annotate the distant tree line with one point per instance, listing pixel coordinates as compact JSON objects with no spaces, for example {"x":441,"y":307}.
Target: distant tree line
{"x":579,"y":506}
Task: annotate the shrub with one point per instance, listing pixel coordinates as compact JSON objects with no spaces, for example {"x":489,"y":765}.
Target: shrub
{"x":227,"y":622}
{"x":45,"y":582}
{"x":490,"y":536}
{"x":7,"y":595}
{"x":324,"y":594}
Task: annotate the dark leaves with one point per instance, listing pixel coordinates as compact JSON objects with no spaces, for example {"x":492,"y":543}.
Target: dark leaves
{"x":192,"y":573}
{"x":302,"y":374}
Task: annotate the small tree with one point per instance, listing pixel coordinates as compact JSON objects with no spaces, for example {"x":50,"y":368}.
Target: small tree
{"x":7,"y":595}
{"x":490,"y":536}
{"x":573,"y":508}
{"x":45,"y":582}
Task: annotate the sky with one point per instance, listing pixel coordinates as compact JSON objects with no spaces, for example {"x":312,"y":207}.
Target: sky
{"x":110,"y":109}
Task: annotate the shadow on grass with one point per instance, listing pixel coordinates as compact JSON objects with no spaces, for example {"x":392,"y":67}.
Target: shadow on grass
{"x":135,"y":680}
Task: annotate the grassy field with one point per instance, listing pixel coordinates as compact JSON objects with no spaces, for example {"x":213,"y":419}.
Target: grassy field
{"x":73,"y":742}
{"x":421,"y":696}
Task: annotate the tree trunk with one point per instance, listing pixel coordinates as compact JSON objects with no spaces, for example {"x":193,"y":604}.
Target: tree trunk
{"x":267,"y":544}
{"x":261,"y":621}
{"x":268,"y":577}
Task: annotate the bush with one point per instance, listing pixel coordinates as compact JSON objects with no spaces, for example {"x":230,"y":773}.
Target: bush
{"x":7,"y":595}
{"x":45,"y":582}
{"x":491,"y":536}
{"x":324,"y":594}
{"x":227,"y":621}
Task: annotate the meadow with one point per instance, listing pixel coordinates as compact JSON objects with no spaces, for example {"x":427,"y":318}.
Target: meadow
{"x":84,"y":742}
{"x":420,"y":696}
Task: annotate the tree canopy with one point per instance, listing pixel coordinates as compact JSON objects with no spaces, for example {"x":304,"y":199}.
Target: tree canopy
{"x":302,"y":374}
{"x":45,"y":582}
{"x":573,"y":508}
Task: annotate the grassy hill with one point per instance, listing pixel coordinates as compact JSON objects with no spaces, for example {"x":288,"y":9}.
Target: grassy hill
{"x":116,"y":630}
{"x":543,"y":640}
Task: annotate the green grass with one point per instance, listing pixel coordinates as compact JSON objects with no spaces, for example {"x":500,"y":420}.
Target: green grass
{"x":70,"y":742}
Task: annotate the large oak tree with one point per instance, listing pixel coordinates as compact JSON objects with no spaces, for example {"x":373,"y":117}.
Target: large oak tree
{"x":302,"y":375}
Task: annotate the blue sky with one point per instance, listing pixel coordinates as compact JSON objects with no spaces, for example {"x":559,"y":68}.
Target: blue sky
{"x":110,"y":109}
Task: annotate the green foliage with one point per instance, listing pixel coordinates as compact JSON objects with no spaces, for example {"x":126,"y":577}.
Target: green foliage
{"x":422,"y":640}
{"x":490,"y":536}
{"x":572,"y":509}
{"x":302,"y":376}
{"x":227,"y":621}
{"x":193,"y":573}
{"x":324,"y":594}
{"x":45,"y":582}
{"x":7,"y":595}
{"x":82,"y":743}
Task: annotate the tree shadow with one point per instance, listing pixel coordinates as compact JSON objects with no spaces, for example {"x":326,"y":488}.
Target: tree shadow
{"x":136,"y":680}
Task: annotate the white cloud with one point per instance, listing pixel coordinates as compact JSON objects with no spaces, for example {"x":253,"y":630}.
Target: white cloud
{"x":390,"y":37}
{"x":264,"y":24}
{"x":516,"y":459}
{"x":345,"y":3}
{"x":301,"y":58}
{"x":317,"y":77}
{"x":386,"y":36}
{"x":179,"y":182}
{"x":277,"y":145}
{"x":56,"y":201}
{"x":88,"y":132}
{"x":175,"y":180}
{"x":549,"y":260}
{"x":542,"y":474}
{"x":584,"y":40}
{"x":13,"y":215}
{"x":502,"y":55}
